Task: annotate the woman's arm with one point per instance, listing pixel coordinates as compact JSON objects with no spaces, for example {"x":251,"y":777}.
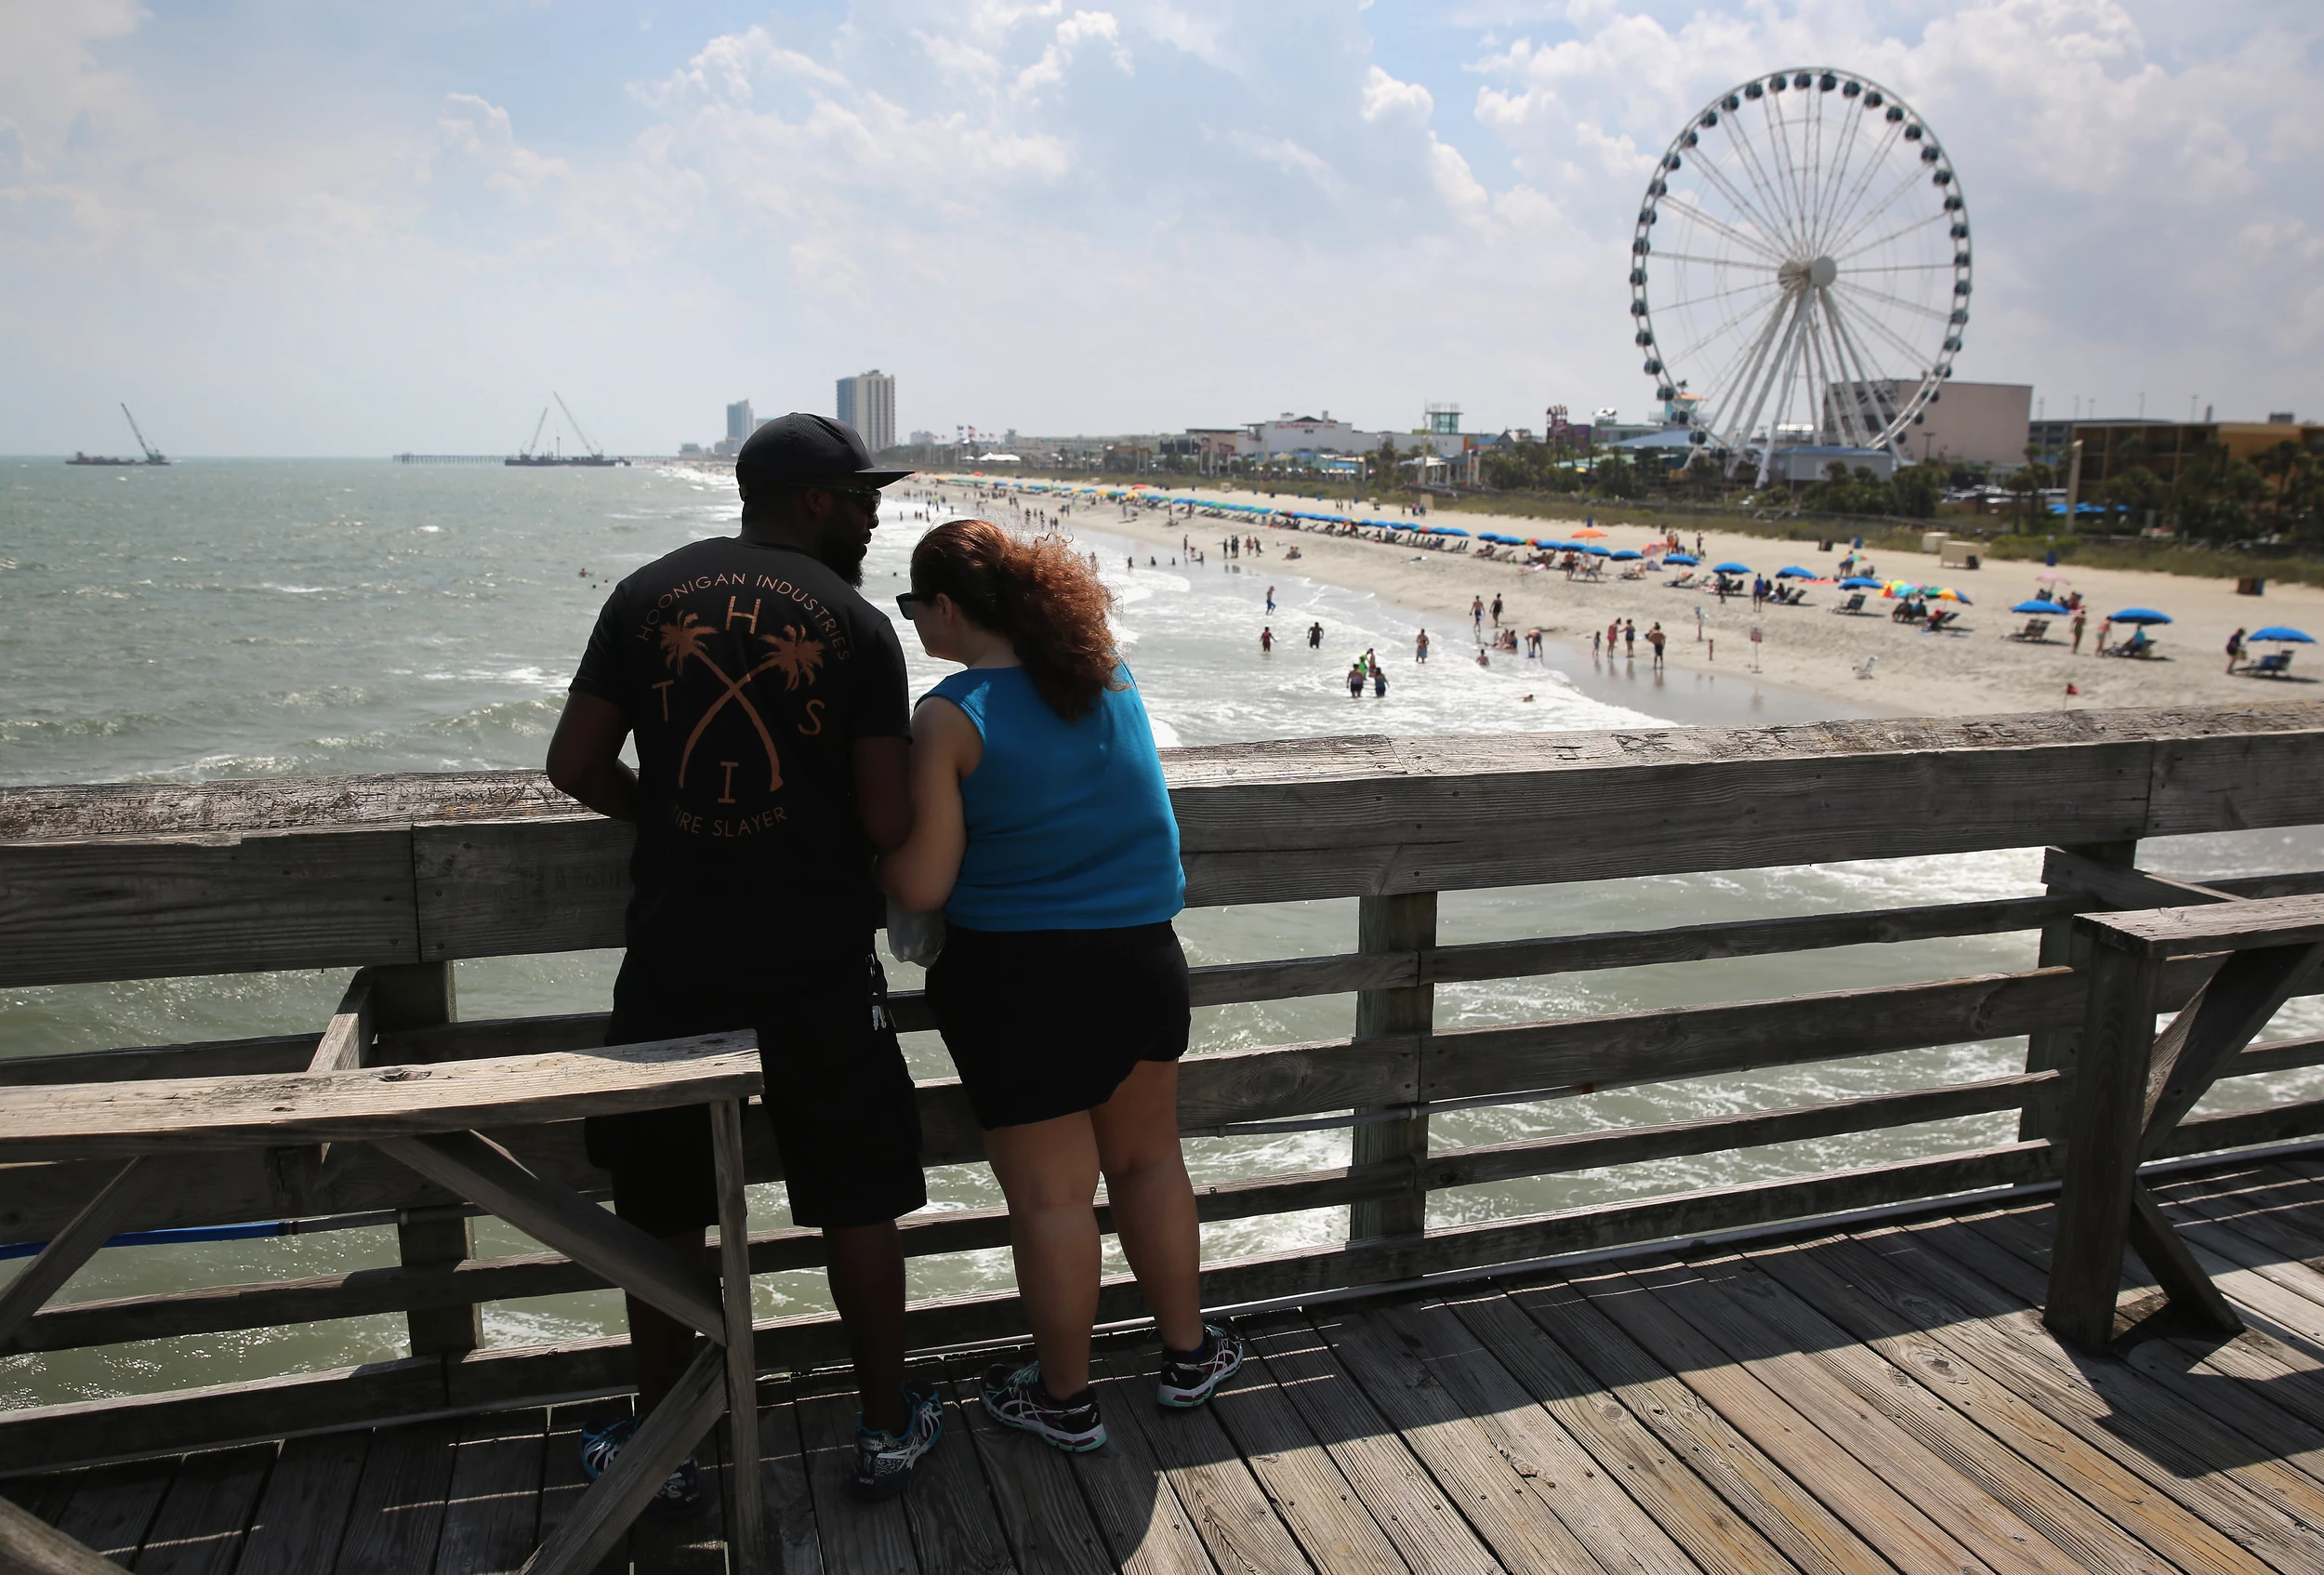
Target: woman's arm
{"x":945,"y":747}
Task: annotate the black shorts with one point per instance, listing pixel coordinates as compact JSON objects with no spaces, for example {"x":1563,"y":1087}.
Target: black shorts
{"x":846,"y":1120}
{"x":1043,"y":1023}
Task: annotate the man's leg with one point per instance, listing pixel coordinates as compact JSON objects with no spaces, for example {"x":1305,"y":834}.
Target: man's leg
{"x":1049,"y":1170}
{"x":659,"y":1345}
{"x":866,"y":1274}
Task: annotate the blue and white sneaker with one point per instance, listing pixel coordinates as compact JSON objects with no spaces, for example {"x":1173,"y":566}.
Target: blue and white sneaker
{"x":1014,"y":1398}
{"x":1189,"y":1378}
{"x":679,"y":1496}
{"x":884,"y":1460}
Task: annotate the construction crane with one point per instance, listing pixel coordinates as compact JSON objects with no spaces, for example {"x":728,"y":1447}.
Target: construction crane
{"x":528,"y":449}
{"x":595,"y":452}
{"x":152,"y":456}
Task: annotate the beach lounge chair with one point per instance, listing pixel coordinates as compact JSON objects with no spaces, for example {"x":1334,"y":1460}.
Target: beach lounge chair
{"x":1940,"y":622}
{"x":1684,"y":581}
{"x":1853,"y":605}
{"x":2276,"y":664}
{"x":2036,"y":629}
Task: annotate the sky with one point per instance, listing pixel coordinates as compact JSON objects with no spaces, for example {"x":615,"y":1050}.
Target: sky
{"x":319,"y":227}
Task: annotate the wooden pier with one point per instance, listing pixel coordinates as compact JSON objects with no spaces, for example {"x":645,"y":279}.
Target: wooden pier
{"x":1842,"y":1371}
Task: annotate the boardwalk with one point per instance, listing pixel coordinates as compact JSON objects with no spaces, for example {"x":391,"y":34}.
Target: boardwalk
{"x":1866,"y":1401}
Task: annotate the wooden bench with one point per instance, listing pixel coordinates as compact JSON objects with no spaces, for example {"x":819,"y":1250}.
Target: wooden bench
{"x":424,"y":1118}
{"x":2132,"y":1087}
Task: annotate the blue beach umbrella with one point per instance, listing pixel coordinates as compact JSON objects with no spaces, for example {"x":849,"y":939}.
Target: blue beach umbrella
{"x":1685,"y":558}
{"x":1731,"y":567}
{"x":2290,"y":636}
{"x":1447,"y":530}
{"x":1596,"y":551}
{"x":1858,"y":582}
{"x":1626,"y":556}
{"x":1793,"y":571}
{"x":2039,"y":605}
{"x":2140,"y":615}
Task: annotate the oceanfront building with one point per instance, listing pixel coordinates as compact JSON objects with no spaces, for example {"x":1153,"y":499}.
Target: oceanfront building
{"x":867,"y":402}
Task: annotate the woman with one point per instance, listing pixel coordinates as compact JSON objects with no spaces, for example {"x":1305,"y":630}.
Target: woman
{"x":1042,"y":829}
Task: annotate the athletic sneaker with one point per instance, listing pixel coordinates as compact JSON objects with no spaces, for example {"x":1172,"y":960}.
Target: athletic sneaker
{"x":1189,"y":1378}
{"x":680,"y":1495}
{"x":884,"y":1460}
{"x":1014,"y":1398}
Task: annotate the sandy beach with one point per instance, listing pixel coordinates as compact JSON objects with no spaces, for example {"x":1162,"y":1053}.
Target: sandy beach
{"x":1971,"y":669}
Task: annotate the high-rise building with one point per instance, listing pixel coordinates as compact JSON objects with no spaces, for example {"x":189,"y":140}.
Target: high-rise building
{"x":738,"y":422}
{"x":867,"y":402}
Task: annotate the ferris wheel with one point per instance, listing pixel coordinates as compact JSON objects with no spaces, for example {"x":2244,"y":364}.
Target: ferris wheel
{"x":1800,"y":272}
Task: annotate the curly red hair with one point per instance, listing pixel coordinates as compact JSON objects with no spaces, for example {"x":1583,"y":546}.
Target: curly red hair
{"x":1038,"y":594}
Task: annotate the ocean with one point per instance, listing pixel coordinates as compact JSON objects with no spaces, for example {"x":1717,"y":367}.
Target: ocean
{"x":256,"y":618}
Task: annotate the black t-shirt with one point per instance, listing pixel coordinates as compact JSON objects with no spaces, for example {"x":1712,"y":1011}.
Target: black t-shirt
{"x":747,"y":672}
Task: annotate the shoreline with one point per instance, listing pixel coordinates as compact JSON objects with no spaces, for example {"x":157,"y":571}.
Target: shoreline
{"x":1811,"y":649}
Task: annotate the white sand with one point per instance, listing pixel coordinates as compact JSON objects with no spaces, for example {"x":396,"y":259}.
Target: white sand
{"x":1970,"y":670}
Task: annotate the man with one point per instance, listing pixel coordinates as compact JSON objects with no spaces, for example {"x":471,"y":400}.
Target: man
{"x":1654,"y":637}
{"x":768,"y":701}
{"x":1266,"y":641}
{"x":1419,"y":648}
{"x":1314,"y":635}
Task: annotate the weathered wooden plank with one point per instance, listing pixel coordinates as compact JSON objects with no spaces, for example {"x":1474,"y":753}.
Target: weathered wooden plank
{"x":220,"y":903}
{"x":1535,"y":1495}
{"x":490,"y":888}
{"x":665,"y":1436}
{"x":623,"y":1253}
{"x":1880,"y":1513}
{"x":2103,"y":1403}
{"x":2182,"y":932}
{"x":492,"y":1508}
{"x":198,"y":1528}
{"x":783,"y":1483}
{"x":563,"y":1483}
{"x":2204,"y":777}
{"x":2176,"y":1533}
{"x":217,"y":1058}
{"x":1689,"y":1511}
{"x":1791,"y":1516}
{"x":1309,"y":1493}
{"x":2102,"y":1135}
{"x":30,"y":1546}
{"x":949,"y":1507}
{"x":1049,"y":1526}
{"x":695,"y":1544}
{"x":746,"y":1519}
{"x":79,"y":811}
{"x":111,"y":1507}
{"x":1145,"y":1527}
{"x":2117,"y":884}
{"x":2069,"y":1531}
{"x":302,"y":1514}
{"x":78,"y":1121}
{"x":1393,"y":925}
{"x":61,"y":1258}
{"x":398,"y":1513}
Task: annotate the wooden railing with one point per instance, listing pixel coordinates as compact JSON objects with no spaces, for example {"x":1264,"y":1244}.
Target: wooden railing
{"x":401,"y":876}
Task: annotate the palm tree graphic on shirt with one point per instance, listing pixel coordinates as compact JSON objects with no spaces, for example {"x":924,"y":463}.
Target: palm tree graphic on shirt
{"x":683,"y":639}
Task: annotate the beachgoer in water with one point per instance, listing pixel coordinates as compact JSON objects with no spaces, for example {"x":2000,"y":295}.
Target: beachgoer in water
{"x":1419,"y":648}
{"x":1497,"y":609}
{"x":1042,"y":828}
{"x":730,"y":929}
{"x":1314,"y":637}
{"x":1266,"y":641}
{"x":1655,"y":637}
{"x":1476,"y":613}
{"x":1380,"y":684}
{"x":1356,"y":681}
{"x":1270,"y":601}
{"x":1629,"y":638}
{"x":1483,"y":660}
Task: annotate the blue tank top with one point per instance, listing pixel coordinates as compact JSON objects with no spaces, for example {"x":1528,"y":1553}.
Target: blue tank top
{"x":1069,"y":825}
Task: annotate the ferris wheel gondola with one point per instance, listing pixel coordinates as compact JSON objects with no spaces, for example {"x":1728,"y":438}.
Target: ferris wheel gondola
{"x":1800,"y":272}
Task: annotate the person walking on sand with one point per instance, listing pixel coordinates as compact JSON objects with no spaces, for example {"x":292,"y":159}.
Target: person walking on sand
{"x":1613,"y":636}
{"x":2104,"y":626}
{"x":2235,"y":649}
{"x":1497,"y":609}
{"x":1477,"y":614}
{"x":1043,"y":830}
{"x":1419,"y":648}
{"x":1629,"y":639}
{"x":758,"y":802}
{"x":1266,"y":641}
{"x":1655,"y":637}
{"x":2082,"y":616}
{"x":1270,"y":601}
{"x":1699,"y":623}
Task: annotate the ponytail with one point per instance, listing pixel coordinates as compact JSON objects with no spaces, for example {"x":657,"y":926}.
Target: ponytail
{"x":1039,"y":594}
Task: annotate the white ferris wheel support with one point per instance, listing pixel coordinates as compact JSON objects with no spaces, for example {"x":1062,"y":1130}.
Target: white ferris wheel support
{"x":1801,"y":267}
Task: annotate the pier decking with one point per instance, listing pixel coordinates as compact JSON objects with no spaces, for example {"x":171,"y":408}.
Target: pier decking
{"x":1866,"y":1400}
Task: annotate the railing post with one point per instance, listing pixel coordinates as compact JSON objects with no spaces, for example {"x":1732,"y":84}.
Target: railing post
{"x":2104,"y":1117}
{"x":2062,"y":946}
{"x":420,"y":995}
{"x":1403,"y":923}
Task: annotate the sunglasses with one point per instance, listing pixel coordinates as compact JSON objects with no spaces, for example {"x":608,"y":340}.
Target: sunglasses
{"x":911,"y":603}
{"x":866,"y":496}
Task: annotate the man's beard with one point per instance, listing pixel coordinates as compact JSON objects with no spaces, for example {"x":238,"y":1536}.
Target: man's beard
{"x":843,"y":553}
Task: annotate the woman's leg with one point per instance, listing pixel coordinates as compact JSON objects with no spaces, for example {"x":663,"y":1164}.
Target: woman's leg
{"x":1152,"y":1200}
{"x":1049,"y":1170}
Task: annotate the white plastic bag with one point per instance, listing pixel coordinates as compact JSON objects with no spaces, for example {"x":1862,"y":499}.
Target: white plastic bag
{"x":915,"y":937}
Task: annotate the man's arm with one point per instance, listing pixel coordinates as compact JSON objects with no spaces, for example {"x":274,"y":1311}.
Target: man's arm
{"x":585,"y":756}
{"x":883,"y":790}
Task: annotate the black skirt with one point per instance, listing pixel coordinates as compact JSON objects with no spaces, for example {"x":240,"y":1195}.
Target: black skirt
{"x":1044,"y":1022}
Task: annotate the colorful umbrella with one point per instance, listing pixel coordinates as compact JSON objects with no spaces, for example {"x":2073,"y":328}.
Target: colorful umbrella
{"x":2277,"y":631}
{"x":1590,"y":530}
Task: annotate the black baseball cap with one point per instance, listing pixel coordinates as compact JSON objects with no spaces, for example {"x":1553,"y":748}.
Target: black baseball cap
{"x":800,"y":447}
